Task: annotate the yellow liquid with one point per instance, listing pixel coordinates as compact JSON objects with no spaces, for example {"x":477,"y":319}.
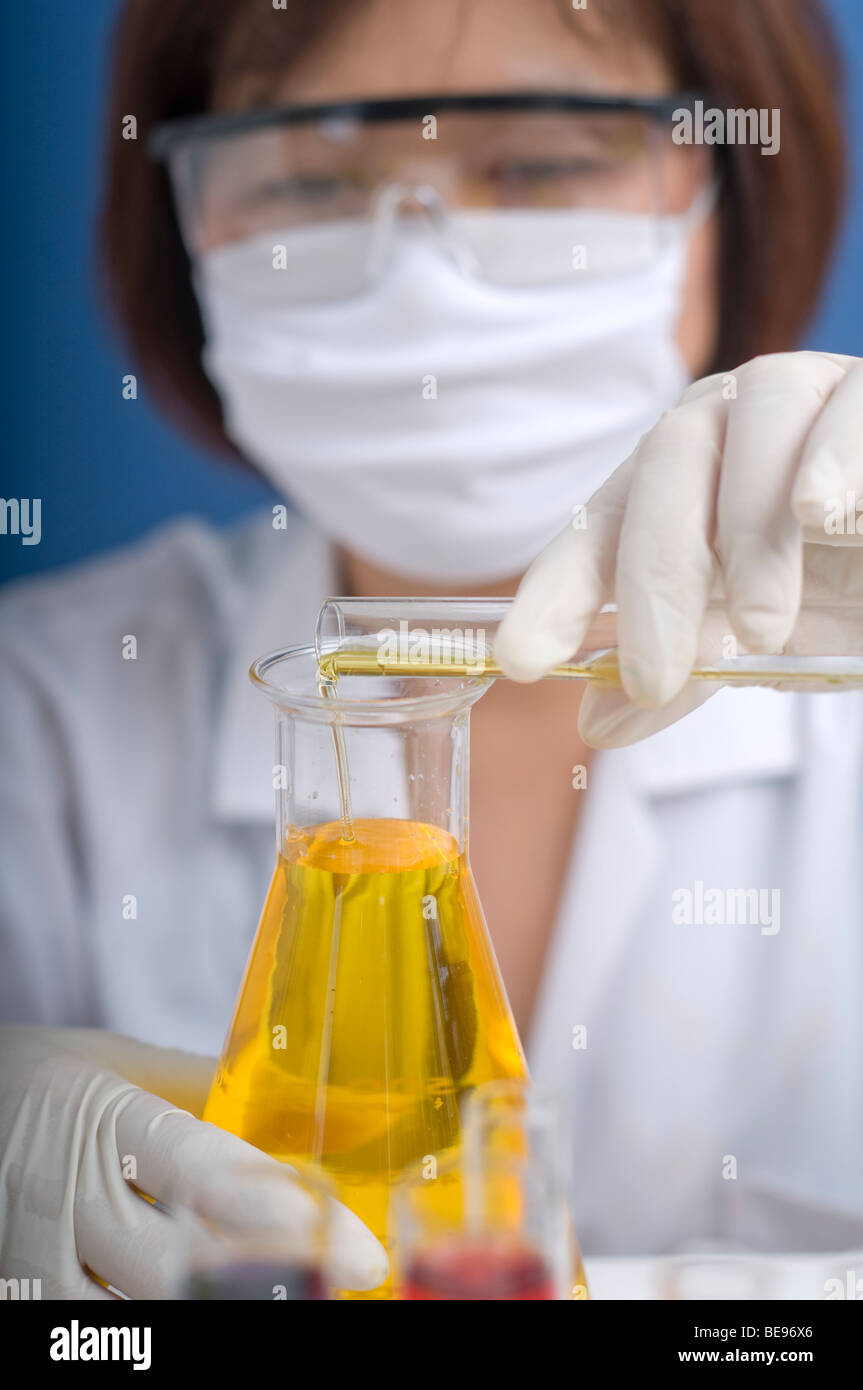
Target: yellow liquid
{"x":371,"y":1002}
{"x":601,"y":668}
{"x":362,"y":661}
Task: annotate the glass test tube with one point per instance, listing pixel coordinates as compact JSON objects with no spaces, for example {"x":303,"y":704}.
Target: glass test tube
{"x":495,"y":1227}
{"x":456,"y":636}
{"x":259,"y":1233}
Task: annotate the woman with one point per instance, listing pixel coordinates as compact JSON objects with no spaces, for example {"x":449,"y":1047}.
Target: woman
{"x":437,"y":311}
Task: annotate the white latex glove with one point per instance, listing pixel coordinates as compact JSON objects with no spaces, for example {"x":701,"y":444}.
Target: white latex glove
{"x":69,"y":1117}
{"x":739,"y":493}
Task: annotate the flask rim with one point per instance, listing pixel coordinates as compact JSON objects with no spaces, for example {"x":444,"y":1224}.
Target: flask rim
{"x":448,"y":695}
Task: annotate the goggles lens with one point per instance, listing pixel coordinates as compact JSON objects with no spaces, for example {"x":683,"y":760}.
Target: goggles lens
{"x":453,"y":169}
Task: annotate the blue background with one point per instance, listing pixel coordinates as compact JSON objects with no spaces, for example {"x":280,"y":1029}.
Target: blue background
{"x":109,"y":469}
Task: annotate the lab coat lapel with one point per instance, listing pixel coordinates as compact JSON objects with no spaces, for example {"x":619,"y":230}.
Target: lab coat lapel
{"x":737,"y":734}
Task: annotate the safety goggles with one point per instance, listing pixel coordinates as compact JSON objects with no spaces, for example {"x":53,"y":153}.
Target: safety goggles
{"x":514,"y":183}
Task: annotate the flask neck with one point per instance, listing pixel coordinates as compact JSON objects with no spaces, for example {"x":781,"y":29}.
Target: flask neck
{"x":366,"y":748}
{"x":415,"y":770}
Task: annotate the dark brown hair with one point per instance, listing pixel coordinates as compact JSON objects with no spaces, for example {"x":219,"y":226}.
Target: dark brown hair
{"x":779,"y":213}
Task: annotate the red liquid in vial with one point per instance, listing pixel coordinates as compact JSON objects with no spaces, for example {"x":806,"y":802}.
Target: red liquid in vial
{"x":480,"y":1271}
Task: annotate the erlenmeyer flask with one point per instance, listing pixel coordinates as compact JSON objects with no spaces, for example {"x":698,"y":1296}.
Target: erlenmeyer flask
{"x":371,"y":1002}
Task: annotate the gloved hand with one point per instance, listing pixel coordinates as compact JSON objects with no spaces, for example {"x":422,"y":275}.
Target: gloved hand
{"x":70,"y":1119}
{"x":743,"y":486}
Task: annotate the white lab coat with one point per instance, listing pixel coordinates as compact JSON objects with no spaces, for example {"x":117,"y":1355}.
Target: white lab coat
{"x":137,"y":810}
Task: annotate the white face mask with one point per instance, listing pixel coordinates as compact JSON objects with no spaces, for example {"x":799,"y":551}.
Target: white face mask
{"x":439,"y":426}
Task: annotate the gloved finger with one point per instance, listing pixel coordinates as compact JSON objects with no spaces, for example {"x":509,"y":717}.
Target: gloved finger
{"x":828,"y":491}
{"x":609,"y":719}
{"x":127,"y":1242}
{"x":265,"y":1197}
{"x":143,"y":1252}
{"x":565,"y":587}
{"x":118,"y":1236}
{"x":181,"y":1160}
{"x":832,"y":597}
{"x":173,"y":1152}
{"x":59,"y":1162}
{"x":759,"y":538}
{"x":665,"y":561}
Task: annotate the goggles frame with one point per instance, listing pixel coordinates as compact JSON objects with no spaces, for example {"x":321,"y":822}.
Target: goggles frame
{"x":167,"y":136}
